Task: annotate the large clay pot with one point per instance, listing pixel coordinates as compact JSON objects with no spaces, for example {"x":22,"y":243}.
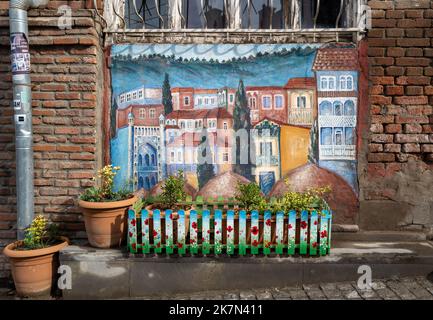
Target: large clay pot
{"x":34,"y":270}
{"x":105,"y":221}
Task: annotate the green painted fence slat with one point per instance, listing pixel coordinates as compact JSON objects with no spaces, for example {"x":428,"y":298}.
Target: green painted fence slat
{"x":145,"y":230}
{"x":230,"y":228}
{"x":303,"y":232}
{"x":329,"y":214}
{"x":157,"y":231}
{"x":205,"y":231}
{"x":242,"y":232}
{"x":323,"y":234}
{"x":169,"y":231}
{"x":132,"y":231}
{"x":218,"y":227}
{"x":291,"y":232}
{"x":193,"y":232}
{"x":267,"y":224}
{"x":181,"y":232}
{"x":279,"y":232}
{"x":255,"y":232}
{"x":314,"y":221}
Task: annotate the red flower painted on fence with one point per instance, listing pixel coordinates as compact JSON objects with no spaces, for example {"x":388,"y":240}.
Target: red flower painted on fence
{"x":289,"y":226}
{"x":229,"y":228}
{"x":255,"y":243}
{"x":133,"y":222}
{"x":134,"y":246}
{"x":268,"y":222}
{"x":171,"y":216}
{"x":217,"y":232}
{"x":315,"y":223}
{"x":194,"y":225}
{"x":146,"y":222}
{"x":323,"y":234}
{"x":314,"y":244}
{"x":215,"y":223}
{"x":130,"y":234}
{"x":155,"y":233}
{"x":179,"y":245}
{"x":303,"y":224}
{"x":191,"y":241}
{"x":254,"y":230}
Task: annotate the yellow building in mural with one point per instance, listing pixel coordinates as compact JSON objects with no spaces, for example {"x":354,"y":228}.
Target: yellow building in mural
{"x":294,"y":143}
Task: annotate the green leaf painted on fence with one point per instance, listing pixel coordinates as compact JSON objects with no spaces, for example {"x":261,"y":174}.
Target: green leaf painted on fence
{"x":291,"y":232}
{"x":157,"y":231}
{"x":314,"y":222}
{"x":193,"y":232}
{"x":230,"y":235}
{"x":206,"y":232}
{"x":169,"y":231}
{"x":132,"y":231}
{"x":242,"y":232}
{"x":255,"y":232}
{"x":303,"y":232}
{"x":145,"y":221}
{"x":267,"y":224}
{"x":181,"y":232}
{"x":279,"y":232}
{"x":218,"y":236}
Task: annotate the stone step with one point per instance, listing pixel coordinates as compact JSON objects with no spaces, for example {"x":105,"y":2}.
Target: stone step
{"x":110,"y":273}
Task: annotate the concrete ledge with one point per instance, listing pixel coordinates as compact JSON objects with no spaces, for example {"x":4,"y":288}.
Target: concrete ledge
{"x":106,"y":274}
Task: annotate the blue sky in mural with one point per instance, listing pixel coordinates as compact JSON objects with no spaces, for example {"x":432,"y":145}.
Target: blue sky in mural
{"x":210,"y":69}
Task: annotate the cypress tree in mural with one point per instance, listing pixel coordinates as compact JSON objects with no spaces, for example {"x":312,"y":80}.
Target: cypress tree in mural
{"x":205,"y":171}
{"x":313,"y":149}
{"x":113,"y":119}
{"x":242,"y":120}
{"x":167,"y":100}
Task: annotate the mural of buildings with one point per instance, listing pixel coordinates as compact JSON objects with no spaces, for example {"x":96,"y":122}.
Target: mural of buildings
{"x":287,"y":117}
{"x":336,"y":71}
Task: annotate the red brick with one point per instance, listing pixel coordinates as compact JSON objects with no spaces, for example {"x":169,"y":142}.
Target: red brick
{"x":411,"y":100}
{"x":394,"y":71}
{"x":394,"y":90}
{"x":382,"y":138}
{"x":375,"y":147}
{"x":413,"y":61}
{"x":411,"y":148}
{"x":376,"y":128}
{"x":414,"y":71}
{"x":393,"y":128}
{"x":411,"y":138}
{"x":392,"y":147}
{"x":412,"y":128}
{"x":395,"y":52}
{"x":411,"y":119}
{"x":413,"y":90}
{"x":381,"y":157}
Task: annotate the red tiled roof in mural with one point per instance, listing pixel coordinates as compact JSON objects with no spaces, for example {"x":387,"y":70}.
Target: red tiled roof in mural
{"x":336,"y":59}
{"x":182,"y":89}
{"x":205,"y":91}
{"x":301,"y":83}
{"x":220,"y":113}
{"x":258,"y":88}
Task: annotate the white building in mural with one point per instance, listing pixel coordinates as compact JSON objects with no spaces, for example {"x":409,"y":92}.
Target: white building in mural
{"x":337,"y":91}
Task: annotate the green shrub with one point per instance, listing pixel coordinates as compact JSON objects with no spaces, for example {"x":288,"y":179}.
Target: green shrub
{"x":40,"y":234}
{"x":173,"y":190}
{"x":250,"y":197}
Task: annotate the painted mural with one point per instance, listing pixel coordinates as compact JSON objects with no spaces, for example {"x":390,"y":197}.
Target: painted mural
{"x":174,"y":104}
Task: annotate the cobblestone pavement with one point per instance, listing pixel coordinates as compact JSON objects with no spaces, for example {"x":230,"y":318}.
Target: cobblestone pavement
{"x":385,"y":289}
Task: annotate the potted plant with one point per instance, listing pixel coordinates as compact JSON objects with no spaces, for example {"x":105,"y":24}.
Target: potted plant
{"x":105,"y":210}
{"x":34,"y":259}
{"x":172,"y":197}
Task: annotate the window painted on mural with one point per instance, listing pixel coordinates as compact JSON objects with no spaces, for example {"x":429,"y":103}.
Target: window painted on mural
{"x":302,"y":102}
{"x":186,"y":101}
{"x":338,"y":108}
{"x":266,"y":102}
{"x":266,"y":148}
{"x":349,"y":108}
{"x":349,"y":136}
{"x":327,"y":83}
{"x":278,"y":102}
{"x":338,"y":136}
{"x":142,"y":113}
{"x":346,"y":83}
{"x":325,"y":108}
{"x":326,"y":136}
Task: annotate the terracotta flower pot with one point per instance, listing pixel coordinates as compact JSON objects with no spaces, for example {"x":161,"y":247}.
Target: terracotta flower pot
{"x":33,"y":270}
{"x":105,"y":221}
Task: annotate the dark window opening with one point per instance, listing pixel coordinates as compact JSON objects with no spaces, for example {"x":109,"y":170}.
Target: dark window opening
{"x":148,"y":11}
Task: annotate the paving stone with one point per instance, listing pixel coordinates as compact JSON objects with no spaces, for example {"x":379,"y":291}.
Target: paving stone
{"x":400,"y":290}
{"x":331,"y":292}
{"x":298,"y":294}
{"x":280,"y":295}
{"x":414,"y":287}
{"x":426,"y":284}
{"x":348,"y":291}
{"x":314,"y":292}
{"x":368,"y":294}
{"x":264,"y":295}
{"x":247,"y":295}
{"x":383,"y":291}
{"x":231,"y":296}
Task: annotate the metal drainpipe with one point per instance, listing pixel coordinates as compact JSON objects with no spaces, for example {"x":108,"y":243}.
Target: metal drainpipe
{"x":22,"y":104}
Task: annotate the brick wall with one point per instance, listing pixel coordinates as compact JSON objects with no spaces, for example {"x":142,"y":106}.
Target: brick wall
{"x":396,"y":177}
{"x":67,"y":68}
